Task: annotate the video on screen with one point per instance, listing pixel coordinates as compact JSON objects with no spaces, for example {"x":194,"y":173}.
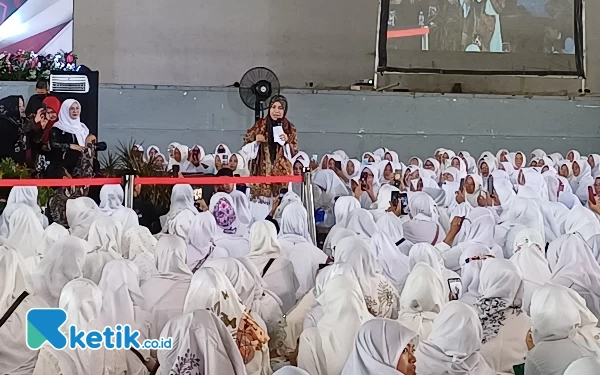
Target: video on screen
{"x":497,"y":26}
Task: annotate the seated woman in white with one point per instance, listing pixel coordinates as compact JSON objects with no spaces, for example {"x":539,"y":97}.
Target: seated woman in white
{"x":231,"y":235}
{"x":504,"y":322}
{"x":297,"y":246}
{"x":275,"y":268}
{"x":453,"y":347}
{"x":422,"y":299}
{"x":16,"y":291}
{"x":165,"y":291}
{"x":554,"y":344}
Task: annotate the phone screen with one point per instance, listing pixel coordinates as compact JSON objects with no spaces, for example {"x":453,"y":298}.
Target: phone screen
{"x":315,"y":158}
{"x":197,"y":194}
{"x":455,"y":286}
{"x":491,"y":185}
{"x":363,"y":180}
{"x":591,"y":195}
{"x":175,"y":170}
{"x":395,"y":198}
{"x":338,"y":165}
{"x":404,"y":200}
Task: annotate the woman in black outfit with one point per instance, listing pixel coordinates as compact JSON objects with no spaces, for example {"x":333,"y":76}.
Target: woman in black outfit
{"x":69,"y":136}
{"x":14,"y":127}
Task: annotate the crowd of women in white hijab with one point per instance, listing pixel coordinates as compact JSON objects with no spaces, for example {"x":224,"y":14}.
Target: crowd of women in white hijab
{"x":454,"y":265}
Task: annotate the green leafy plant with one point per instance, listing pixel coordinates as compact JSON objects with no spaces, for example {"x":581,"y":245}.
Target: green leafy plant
{"x":125,"y":159}
{"x":10,"y":169}
{"x":44,"y":194}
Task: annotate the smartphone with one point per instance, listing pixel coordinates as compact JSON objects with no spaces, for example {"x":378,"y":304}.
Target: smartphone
{"x":44,"y":108}
{"x":404,"y":201}
{"x":197,"y":194}
{"x":315,"y":158}
{"x":491,"y":185}
{"x":338,"y":165}
{"x":363,"y":180}
{"x":455,"y":286}
{"x":176,"y":170}
{"x":591,"y":195}
{"x":241,"y":187}
{"x":462,"y":184}
{"x":224,"y":158}
{"x":395,"y":198}
{"x":282,"y":192}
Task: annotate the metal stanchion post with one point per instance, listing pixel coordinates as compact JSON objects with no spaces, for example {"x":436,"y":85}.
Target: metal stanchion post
{"x":309,"y":203}
{"x":129,"y":188}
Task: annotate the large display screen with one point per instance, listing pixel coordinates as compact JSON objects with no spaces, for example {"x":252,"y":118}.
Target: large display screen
{"x":533,"y":37}
{"x":41,"y":26}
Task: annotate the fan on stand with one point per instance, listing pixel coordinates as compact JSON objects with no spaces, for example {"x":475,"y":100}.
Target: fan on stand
{"x":257,"y":86}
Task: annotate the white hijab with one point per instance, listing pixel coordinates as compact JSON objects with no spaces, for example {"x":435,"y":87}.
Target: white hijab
{"x":471,"y":270}
{"x":294,"y":225}
{"x":105,"y":239}
{"x":239,"y":276}
{"x":573,"y":265}
{"x":422,"y":298}
{"x":242,"y":209}
{"x":61,"y":264}
{"x":25,"y":231}
{"x":424,"y":217}
{"x":381,"y":296}
{"x":394,"y":264}
{"x":138,"y":246}
{"x":111,"y":198}
{"x":584,"y":366}
{"x":27,"y":195}
{"x":81,"y":213}
{"x":343,"y":208}
{"x":182,"y":199}
{"x":583,"y":221}
{"x":122,"y":299}
{"x":14,"y":278}
{"x":523,"y":211}
{"x":378,"y":347}
{"x":325,"y":348}
{"x":202,"y":336}
{"x":70,"y":125}
{"x":360,"y":221}
{"x":529,"y":258}
{"x":454,"y":344}
{"x":201,"y":245}
{"x":50,"y":236}
{"x":264,"y":244}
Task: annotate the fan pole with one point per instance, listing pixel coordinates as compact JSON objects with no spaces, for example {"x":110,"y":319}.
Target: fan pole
{"x":257,"y":110}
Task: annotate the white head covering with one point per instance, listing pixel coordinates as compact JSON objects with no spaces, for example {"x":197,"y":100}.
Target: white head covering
{"x":523,"y":211}
{"x":583,"y":221}
{"x":342,"y":209}
{"x":422,"y":299}
{"x":81,"y":213}
{"x":454,"y":343}
{"x":344,"y":312}
{"x":150,"y":149}
{"x":529,"y":257}
{"x":479,"y":227}
{"x":69,"y":125}
{"x":333,"y":186}
{"x":111,"y":198}
{"x":121,"y":293}
{"x":264,"y":244}
{"x":201,"y":240}
{"x":105,"y":236}
{"x":182,"y":198}
{"x":378,"y":347}
{"x":202,"y":336}
{"x":170,"y":253}
{"x":27,"y":195}
{"x":584,"y":366}
{"x":25,"y":231}
{"x":553,"y":314}
{"x":242,"y":209}
{"x":180,"y":224}
{"x":82,"y":301}
{"x":138,"y":246}
{"x":62,"y":263}
{"x":14,"y":277}
{"x":356,"y":253}
{"x":239,"y":276}
{"x":594,"y":243}
{"x":294,"y":223}
{"x":393,"y":263}
{"x":50,"y":236}
{"x":361,"y":222}
{"x":471,"y":270}
{"x":242,"y":166}
{"x":500,"y":288}
{"x":356,"y":163}
{"x":391,"y":227}
{"x":535,"y":181}
{"x":573,"y":264}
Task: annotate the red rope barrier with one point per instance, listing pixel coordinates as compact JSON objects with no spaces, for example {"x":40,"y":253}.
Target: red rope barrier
{"x":217,"y":180}
{"x":150,"y":181}
{"x":42,"y":182}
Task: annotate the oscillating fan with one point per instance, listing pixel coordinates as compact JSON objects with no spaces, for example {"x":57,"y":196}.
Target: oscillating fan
{"x":257,"y":86}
